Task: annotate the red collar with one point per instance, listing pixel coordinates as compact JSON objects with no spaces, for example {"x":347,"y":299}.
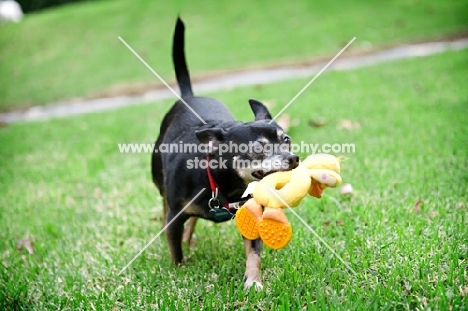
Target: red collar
{"x":213,"y":185}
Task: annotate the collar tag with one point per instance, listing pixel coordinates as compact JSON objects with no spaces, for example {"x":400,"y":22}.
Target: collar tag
{"x":221,"y":213}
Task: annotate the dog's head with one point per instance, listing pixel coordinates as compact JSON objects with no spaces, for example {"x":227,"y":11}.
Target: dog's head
{"x":253,"y":149}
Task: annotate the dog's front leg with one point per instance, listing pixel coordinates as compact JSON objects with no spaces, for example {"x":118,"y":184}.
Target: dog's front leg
{"x":252,"y":270}
{"x":174,"y":236}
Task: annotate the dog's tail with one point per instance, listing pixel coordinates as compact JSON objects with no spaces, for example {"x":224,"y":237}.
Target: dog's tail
{"x":178,"y":57}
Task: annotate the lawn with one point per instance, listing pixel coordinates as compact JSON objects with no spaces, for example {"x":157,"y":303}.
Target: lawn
{"x":73,"y":51}
{"x":90,"y":209}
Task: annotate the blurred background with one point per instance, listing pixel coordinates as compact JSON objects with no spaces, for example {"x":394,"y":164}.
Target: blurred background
{"x":35,"y":5}
{"x":69,"y":49}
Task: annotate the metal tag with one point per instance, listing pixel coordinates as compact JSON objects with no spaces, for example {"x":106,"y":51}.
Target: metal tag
{"x":221,"y":214}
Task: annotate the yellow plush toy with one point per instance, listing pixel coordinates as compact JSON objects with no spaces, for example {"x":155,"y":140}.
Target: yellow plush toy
{"x":284,"y":189}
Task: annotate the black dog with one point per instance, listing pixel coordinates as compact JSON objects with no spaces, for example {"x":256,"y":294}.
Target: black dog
{"x":180,"y":176}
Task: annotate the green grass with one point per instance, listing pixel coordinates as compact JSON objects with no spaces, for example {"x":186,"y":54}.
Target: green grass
{"x":90,"y":209}
{"x":73,"y":51}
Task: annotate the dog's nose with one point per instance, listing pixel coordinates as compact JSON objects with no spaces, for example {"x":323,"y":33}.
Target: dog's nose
{"x":293,"y":161}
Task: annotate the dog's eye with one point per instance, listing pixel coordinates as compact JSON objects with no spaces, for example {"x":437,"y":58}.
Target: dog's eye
{"x":287,"y":139}
{"x":257,"y":147}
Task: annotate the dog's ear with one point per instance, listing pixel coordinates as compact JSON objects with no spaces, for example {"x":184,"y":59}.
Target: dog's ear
{"x":260,"y":110}
{"x":211,"y":137}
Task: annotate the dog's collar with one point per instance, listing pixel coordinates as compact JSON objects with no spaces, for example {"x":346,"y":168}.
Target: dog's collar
{"x":217,"y":198}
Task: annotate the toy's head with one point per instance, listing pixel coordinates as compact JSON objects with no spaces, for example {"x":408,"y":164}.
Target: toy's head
{"x":287,"y":189}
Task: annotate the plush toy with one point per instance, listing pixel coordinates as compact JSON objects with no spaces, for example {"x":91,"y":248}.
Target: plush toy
{"x":280,"y":190}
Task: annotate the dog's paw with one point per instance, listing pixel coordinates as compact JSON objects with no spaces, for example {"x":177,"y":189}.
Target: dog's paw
{"x":249,"y":283}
